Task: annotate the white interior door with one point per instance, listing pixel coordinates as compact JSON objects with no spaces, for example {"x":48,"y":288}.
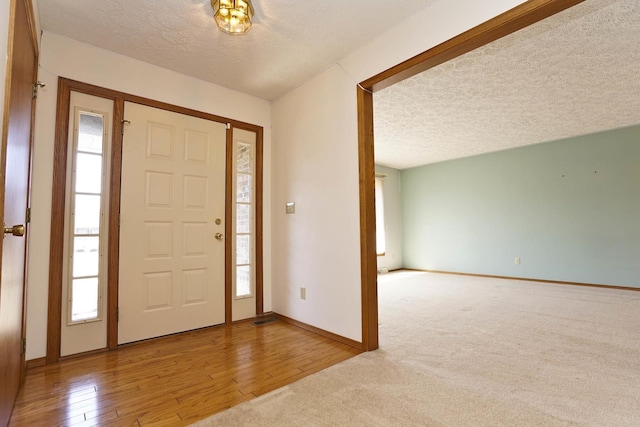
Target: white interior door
{"x":171,"y":223}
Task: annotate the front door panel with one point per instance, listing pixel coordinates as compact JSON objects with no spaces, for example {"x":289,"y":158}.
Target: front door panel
{"x":172,"y":208}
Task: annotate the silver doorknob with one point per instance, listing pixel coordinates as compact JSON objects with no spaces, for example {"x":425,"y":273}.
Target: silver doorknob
{"x":16,"y":230}
{"x":219,"y":236}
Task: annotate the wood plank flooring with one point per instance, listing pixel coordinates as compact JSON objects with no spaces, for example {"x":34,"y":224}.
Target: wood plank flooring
{"x":174,"y":380}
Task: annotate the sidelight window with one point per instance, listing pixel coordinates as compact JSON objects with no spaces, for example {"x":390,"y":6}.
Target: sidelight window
{"x":86,"y":229}
{"x":244,"y":208}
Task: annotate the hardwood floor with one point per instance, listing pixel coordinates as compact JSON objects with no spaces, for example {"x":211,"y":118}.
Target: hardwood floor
{"x":174,"y":380}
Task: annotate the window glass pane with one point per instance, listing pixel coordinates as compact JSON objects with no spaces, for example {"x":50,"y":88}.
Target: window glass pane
{"x":90,"y":133}
{"x":87,"y":214}
{"x":243,"y":281}
{"x":243,"y":249}
{"x":243,"y":218}
{"x":86,"y":256}
{"x":84,"y":299}
{"x":243,"y":158}
{"x":244,"y":188}
{"x":88,"y":173}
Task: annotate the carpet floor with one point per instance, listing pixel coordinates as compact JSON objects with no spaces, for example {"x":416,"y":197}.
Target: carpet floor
{"x":468,"y":351}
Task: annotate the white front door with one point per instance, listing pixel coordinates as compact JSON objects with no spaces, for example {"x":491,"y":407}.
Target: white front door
{"x":172,"y":257}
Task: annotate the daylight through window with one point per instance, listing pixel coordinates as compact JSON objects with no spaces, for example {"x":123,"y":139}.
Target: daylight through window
{"x":86,"y":217}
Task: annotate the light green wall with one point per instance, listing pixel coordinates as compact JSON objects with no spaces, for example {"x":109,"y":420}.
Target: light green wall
{"x":569,"y":209}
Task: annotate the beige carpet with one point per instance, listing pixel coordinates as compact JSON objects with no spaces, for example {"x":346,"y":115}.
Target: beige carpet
{"x":462,"y":351}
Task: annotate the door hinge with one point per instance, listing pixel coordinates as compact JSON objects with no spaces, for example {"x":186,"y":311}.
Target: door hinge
{"x":36,"y":85}
{"x":228,"y":125}
{"x":124,"y":122}
{"x":23,"y":350}
{"x":27,"y":216}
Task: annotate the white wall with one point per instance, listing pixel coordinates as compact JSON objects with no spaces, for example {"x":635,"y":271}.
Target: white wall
{"x":315,"y":164}
{"x":64,"y":57}
{"x":316,"y":172}
{"x":392,"y":196}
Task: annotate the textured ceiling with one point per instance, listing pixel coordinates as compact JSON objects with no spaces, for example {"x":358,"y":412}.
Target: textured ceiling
{"x":290,"y":42}
{"x":575,"y":73}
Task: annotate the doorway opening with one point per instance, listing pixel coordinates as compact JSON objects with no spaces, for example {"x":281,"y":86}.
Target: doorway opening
{"x":509,"y":22}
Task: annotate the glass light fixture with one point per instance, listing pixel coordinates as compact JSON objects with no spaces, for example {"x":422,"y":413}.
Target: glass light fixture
{"x":233,"y":16}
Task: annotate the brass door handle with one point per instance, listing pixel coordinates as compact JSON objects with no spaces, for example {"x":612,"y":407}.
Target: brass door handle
{"x":16,"y":230}
{"x":219,"y":236}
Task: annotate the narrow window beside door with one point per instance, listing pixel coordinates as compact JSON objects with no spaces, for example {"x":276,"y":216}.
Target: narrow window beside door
{"x":244,"y":224}
{"x":86,"y":217}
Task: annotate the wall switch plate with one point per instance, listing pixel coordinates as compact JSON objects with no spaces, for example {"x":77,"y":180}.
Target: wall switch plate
{"x":290,"y":208}
{"x":303,"y":293}
{"x":517,"y":260}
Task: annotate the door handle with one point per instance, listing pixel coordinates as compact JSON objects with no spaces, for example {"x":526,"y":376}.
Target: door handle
{"x":16,"y":230}
{"x":219,"y":236}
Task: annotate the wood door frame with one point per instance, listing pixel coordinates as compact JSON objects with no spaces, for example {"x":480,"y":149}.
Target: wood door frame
{"x":34,"y":36}
{"x":229,"y":202}
{"x":56,"y":280}
{"x":509,"y":22}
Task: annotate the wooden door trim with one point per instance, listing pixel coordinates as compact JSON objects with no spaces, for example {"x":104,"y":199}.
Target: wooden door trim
{"x":509,"y":22}
{"x":259,"y":222}
{"x":113,"y":256}
{"x":65,"y":86}
{"x":228,"y":229}
{"x":31,"y":20}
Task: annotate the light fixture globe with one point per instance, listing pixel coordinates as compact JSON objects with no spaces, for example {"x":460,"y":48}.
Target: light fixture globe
{"x":233,"y":16}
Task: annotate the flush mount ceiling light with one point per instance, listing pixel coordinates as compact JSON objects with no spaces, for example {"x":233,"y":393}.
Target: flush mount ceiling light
{"x":233,"y":16}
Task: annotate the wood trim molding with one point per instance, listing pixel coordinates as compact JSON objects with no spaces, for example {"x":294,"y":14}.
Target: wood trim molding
{"x":259,"y":215}
{"x":83,"y":354}
{"x":321,"y":332}
{"x":254,"y":319}
{"x":509,"y":22}
{"x":59,"y":183}
{"x":228,"y":230}
{"x":65,"y":86}
{"x":259,"y":255}
{"x":35,"y":363}
{"x":259,"y":219}
{"x":113,"y":251}
{"x":527,"y":279}
{"x":31,"y":21}
{"x":369,"y":258}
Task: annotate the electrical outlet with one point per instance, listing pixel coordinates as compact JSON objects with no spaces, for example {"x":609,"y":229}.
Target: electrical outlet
{"x":518,"y":260}
{"x":303,"y":293}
